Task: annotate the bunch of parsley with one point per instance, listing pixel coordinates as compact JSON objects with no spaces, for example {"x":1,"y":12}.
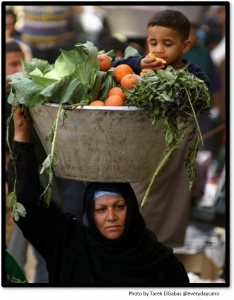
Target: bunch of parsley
{"x":178,"y":98}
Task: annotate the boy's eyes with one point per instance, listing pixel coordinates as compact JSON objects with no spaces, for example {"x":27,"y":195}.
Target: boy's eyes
{"x":154,"y":44}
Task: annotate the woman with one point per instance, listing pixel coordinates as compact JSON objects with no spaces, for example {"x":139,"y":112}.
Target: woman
{"x":112,"y":246}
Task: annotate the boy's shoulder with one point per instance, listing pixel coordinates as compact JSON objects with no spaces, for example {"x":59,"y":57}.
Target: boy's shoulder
{"x":196,"y":71}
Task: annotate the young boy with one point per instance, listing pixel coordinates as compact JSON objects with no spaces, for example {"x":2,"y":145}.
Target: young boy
{"x":166,"y":212}
{"x":168,"y":33}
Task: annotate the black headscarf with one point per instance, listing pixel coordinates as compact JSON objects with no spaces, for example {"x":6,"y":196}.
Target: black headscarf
{"x":136,"y":256}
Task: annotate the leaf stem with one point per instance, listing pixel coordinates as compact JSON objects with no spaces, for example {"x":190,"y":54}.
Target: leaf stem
{"x":160,"y":167}
{"x":195,"y":117}
{"x":52,"y":146}
{"x":8,"y":144}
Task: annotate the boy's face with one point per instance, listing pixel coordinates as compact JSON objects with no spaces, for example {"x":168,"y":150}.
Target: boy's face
{"x":166,"y":43}
{"x":13,"y":63}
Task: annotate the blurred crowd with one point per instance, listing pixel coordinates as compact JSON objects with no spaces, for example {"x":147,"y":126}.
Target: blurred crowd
{"x":41,"y":31}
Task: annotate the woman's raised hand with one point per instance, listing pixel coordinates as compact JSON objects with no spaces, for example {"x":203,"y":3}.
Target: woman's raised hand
{"x":22,"y":125}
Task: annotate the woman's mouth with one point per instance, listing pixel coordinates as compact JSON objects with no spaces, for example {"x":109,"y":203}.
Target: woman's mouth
{"x":113,"y":227}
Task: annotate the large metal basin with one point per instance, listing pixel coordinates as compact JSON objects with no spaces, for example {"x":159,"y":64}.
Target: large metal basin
{"x":114,"y":144}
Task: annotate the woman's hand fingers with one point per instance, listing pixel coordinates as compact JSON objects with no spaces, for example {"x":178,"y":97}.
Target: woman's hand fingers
{"x":22,"y":124}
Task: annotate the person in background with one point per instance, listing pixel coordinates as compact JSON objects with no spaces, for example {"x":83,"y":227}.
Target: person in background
{"x":75,"y":31}
{"x":89,"y":21}
{"x":12,"y":34}
{"x":118,"y":43}
{"x":212,"y":27}
{"x":200,"y":55}
{"x":218,"y":52}
{"x":222,"y":73}
{"x":166,"y":211}
{"x":218,"y":57}
{"x":108,"y":43}
{"x":102,"y":14}
{"x":11,"y":19}
{"x":45,"y":29}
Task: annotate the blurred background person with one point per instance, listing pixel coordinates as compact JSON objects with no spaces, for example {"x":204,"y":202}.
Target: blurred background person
{"x":200,"y":55}
{"x":118,"y":44}
{"x":11,"y":19}
{"x":90,"y":22}
{"x":44,"y":30}
{"x":12,"y":34}
{"x":217,"y":16}
{"x":75,"y":31}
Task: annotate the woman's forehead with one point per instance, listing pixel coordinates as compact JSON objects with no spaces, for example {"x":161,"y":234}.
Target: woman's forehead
{"x":109,"y":199}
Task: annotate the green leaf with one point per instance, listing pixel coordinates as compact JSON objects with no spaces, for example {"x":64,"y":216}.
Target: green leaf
{"x":15,"y":215}
{"x":55,"y":160}
{"x":108,"y":82}
{"x":68,"y":60}
{"x":16,"y":76}
{"x":29,"y":66}
{"x":12,"y":99}
{"x":49,"y":136}
{"x":62,"y":65}
{"x":51,"y":176}
{"x":96,"y":87}
{"x":11,"y":199}
{"x":164,"y":74}
{"x":38,"y":77}
{"x":166,"y":98}
{"x":111,"y":54}
{"x":20,"y":209}
{"x":48,"y":195}
{"x":130,"y":51}
{"x":63,"y":114}
{"x":46,"y":164}
{"x":27,"y":92}
{"x":157,"y":111}
{"x":69,"y":89}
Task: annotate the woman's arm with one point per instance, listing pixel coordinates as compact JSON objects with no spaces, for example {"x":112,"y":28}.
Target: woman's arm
{"x":42,"y":224}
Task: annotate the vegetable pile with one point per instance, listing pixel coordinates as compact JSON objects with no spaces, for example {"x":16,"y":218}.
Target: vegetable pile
{"x":81,"y":77}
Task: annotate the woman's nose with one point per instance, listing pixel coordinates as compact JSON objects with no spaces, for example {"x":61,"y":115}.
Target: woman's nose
{"x":111,"y":215}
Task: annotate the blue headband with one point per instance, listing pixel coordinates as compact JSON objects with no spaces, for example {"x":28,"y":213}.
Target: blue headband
{"x":98,"y":194}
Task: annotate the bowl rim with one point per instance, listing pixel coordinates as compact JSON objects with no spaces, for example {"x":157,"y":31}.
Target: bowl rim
{"x":105,"y":108}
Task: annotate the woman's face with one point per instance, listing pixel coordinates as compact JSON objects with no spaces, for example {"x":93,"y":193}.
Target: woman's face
{"x":109,"y":215}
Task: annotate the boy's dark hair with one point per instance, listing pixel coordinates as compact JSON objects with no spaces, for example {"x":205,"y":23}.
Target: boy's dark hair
{"x":172,"y":19}
{"x":13,"y":46}
{"x":10,"y":12}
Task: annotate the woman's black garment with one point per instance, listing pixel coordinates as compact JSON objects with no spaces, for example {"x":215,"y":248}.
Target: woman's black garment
{"x":75,"y":254}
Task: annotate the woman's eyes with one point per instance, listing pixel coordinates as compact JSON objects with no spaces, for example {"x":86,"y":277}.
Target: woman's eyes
{"x":101,"y":209}
{"x":119,"y":207}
